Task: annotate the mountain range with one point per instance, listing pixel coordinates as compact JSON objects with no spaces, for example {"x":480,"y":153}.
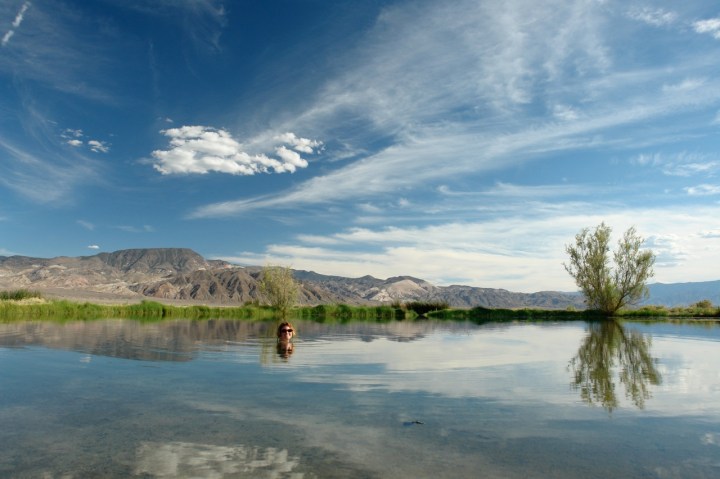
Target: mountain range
{"x":183,"y":276}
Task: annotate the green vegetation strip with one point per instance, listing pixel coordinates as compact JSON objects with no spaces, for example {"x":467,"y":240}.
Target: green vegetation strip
{"x":14,"y":308}
{"x":10,"y":311}
{"x":19,"y":305}
{"x":481,"y":314}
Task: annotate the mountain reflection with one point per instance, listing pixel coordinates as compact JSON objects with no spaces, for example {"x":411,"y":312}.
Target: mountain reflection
{"x":170,"y":340}
{"x":608,"y":347}
{"x":182,"y":340}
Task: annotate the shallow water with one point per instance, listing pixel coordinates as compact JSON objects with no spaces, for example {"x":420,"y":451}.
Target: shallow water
{"x":214,"y":399}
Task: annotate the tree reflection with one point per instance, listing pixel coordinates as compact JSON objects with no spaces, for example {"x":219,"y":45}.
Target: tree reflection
{"x":608,"y":347}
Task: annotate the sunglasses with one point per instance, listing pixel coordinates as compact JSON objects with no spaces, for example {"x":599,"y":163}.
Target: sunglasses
{"x":283,"y":331}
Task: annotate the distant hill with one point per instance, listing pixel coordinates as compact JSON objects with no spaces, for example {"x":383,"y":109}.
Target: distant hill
{"x":181,"y":274}
{"x":683,"y":294}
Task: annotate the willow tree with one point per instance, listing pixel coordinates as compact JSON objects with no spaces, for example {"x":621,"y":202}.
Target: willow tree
{"x":279,"y":287}
{"x":609,"y":286}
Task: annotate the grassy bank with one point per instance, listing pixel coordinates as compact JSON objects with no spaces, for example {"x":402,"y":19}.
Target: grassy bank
{"x":24,"y":305}
{"x":499,"y":314}
{"x":698,"y":310}
{"x":343,"y":313}
{"x":30,"y":306}
{"x":62,"y":309}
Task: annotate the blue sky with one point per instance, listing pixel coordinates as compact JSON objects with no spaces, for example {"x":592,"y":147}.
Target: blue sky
{"x":461,"y":142}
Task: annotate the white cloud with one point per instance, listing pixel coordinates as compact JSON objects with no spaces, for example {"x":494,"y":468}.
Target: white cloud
{"x":291,"y":160}
{"x":6,"y":38}
{"x":98,"y":146}
{"x":86,"y":224}
{"x":75,"y":142}
{"x":683,"y":164}
{"x":201,"y":150}
{"x":710,"y":234}
{"x":686,"y":85}
{"x":657,"y":17}
{"x":499,"y":62}
{"x":93,"y":246}
{"x":21,"y":14}
{"x":71,"y":133}
{"x":710,"y":26}
{"x":303,"y":145}
{"x":703,"y":190}
{"x":136,"y":229}
{"x":565,"y":113}
{"x":667,"y":248}
{"x":45,"y":175}
{"x":523,"y":251}
{"x":15,"y":24}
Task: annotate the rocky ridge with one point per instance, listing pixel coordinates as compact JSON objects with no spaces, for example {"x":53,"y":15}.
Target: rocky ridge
{"x":182,"y":275}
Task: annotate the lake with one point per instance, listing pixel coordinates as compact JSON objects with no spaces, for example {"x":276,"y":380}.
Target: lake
{"x":215,"y":399}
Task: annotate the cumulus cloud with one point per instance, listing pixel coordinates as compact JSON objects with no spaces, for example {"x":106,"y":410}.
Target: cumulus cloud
{"x":303,"y":145}
{"x":98,"y":146}
{"x":202,"y":149}
{"x":73,"y":138}
{"x":710,"y":26}
{"x":15,"y":24}
{"x":93,"y":246}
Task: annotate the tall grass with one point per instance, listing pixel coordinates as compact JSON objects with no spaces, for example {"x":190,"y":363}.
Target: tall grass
{"x":11,"y":309}
{"x":63,"y":309}
{"x":19,"y":295}
{"x":701,"y":309}
{"x":481,"y":314}
{"x":345,"y":313}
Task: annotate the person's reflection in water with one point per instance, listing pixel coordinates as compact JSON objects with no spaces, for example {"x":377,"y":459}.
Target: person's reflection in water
{"x":285,"y":333}
{"x":609,"y":346}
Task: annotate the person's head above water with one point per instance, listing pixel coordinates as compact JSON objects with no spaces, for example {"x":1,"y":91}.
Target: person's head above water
{"x":285,"y":331}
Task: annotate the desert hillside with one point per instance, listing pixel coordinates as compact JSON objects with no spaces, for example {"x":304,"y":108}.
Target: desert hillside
{"x":182,"y":276}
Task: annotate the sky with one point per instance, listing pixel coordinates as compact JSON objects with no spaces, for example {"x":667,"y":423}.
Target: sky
{"x":462,"y":142}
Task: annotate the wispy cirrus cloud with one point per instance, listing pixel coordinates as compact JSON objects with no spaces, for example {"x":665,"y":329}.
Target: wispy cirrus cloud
{"x":86,"y":224}
{"x":683,"y":164}
{"x":499,"y":62}
{"x":521,"y":252}
{"x":136,"y":229}
{"x":703,"y":190}
{"x":44,"y":175}
{"x":656,"y":17}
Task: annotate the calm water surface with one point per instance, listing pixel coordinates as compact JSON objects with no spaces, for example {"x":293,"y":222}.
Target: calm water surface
{"x":214,"y":399}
